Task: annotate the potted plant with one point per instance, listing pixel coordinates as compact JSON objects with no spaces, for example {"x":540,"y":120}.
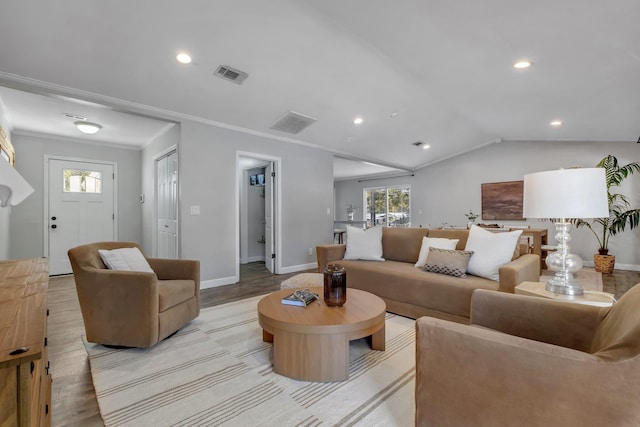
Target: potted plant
{"x":471,"y":217}
{"x":620,"y":214}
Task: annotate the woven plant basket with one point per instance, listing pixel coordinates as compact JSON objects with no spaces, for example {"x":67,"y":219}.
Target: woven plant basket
{"x":604,"y":263}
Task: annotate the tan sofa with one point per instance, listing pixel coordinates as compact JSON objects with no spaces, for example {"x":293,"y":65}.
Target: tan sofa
{"x":412,"y":292}
{"x":132,"y":308}
{"x":531,"y":361}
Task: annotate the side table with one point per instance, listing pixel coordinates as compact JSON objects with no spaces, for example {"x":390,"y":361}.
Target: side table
{"x":537,"y":289}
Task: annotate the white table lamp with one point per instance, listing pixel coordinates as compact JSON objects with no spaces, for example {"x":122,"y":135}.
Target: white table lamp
{"x":561,"y":195}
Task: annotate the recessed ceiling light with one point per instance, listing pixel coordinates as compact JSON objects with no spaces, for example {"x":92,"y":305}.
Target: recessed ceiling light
{"x":425,"y":146}
{"x":357,"y":120}
{"x":394,"y":115}
{"x":88,"y":127}
{"x":523,"y":63}
{"x":183,"y":58}
{"x":556,"y":123}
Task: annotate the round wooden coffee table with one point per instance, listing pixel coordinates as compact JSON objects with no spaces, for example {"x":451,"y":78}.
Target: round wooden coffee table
{"x":312,"y":343}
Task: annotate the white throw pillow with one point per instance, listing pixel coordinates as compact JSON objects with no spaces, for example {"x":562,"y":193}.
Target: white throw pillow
{"x":490,"y":251}
{"x":433,"y":242}
{"x":364,"y":244}
{"x":127,"y":259}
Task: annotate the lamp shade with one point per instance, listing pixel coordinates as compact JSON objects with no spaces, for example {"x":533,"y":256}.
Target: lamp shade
{"x":566,"y":193}
{"x":13,"y":187}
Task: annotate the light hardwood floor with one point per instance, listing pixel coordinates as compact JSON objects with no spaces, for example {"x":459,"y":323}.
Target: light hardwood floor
{"x":74,"y":401}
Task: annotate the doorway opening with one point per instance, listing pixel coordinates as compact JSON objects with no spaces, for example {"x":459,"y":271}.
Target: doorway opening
{"x":258,"y":228}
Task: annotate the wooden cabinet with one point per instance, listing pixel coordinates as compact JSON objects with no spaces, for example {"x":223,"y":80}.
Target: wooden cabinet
{"x":25,"y":382}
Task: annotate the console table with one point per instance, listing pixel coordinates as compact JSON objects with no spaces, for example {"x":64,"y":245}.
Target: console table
{"x":25,"y":382}
{"x":539,"y":239}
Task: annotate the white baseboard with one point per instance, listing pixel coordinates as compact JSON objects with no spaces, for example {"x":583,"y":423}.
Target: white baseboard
{"x":295,"y":268}
{"x":618,"y":266}
{"x":218,"y":282}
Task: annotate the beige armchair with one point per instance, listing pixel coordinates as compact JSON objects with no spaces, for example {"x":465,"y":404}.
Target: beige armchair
{"x":130,"y":308}
{"x":528,"y":361}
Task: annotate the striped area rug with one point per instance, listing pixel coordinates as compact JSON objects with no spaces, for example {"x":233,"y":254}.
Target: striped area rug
{"x":216,"y":371}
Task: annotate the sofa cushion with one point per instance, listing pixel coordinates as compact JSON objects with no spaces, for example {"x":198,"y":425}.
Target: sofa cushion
{"x":401,"y":281}
{"x":174,"y":292}
{"x":127,"y":259}
{"x":433,"y":242}
{"x":364,"y":244}
{"x":402,"y":244}
{"x":449,"y":262}
{"x":461,"y":235}
{"x":490,"y":251}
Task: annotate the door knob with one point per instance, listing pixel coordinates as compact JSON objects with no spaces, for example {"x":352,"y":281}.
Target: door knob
{"x":54,"y":226}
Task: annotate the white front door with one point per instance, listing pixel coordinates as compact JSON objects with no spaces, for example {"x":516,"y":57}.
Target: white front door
{"x":81,"y":208}
{"x":167,"y":206}
{"x":269,"y":251}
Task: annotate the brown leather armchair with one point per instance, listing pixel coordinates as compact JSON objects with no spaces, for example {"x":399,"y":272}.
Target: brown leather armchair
{"x":531,"y":361}
{"x":131,"y":308}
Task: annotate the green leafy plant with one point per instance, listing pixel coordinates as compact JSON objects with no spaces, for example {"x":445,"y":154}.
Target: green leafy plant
{"x":620,"y":216}
{"x":471,"y":216}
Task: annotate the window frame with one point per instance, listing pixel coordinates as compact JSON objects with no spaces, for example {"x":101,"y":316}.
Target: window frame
{"x":365,"y":211}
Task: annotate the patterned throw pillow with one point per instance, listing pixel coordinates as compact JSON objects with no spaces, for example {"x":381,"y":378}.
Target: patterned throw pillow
{"x":449,"y":262}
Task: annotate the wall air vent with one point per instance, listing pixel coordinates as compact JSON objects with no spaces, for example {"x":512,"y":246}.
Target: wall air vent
{"x":231,"y":74}
{"x":293,"y":122}
{"x":73,"y":117}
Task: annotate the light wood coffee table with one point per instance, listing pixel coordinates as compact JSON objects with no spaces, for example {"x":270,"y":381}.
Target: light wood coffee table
{"x":312,"y":343}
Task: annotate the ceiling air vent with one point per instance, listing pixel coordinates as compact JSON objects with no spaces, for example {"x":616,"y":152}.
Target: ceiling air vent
{"x":293,"y":122}
{"x":231,"y":74}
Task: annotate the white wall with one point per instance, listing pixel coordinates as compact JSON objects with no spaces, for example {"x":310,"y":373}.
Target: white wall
{"x":27,"y":219}
{"x":208,"y":179}
{"x":445,"y":191}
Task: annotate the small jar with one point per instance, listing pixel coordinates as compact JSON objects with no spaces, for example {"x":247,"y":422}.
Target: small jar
{"x":335,"y":286}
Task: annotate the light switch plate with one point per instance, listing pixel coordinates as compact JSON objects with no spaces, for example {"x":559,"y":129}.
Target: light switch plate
{"x":195,"y":210}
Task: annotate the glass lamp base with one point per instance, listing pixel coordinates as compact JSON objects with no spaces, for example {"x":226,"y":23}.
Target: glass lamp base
{"x":564,"y":264}
{"x":563,"y":281}
{"x":564,"y":289}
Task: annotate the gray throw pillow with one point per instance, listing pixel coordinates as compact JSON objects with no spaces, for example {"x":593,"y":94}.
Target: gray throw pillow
{"x":449,"y":262}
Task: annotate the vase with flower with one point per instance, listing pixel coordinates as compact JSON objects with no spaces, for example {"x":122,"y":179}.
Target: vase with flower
{"x":471,"y":217}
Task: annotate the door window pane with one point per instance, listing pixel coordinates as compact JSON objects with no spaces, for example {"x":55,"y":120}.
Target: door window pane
{"x":82,"y":181}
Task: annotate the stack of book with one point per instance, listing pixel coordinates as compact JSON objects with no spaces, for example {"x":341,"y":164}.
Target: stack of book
{"x":300,"y":298}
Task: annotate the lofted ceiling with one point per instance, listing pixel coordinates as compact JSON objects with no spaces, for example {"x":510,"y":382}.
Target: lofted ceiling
{"x":414,"y":70}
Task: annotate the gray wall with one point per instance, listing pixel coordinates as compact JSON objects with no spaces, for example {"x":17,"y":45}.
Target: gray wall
{"x":208,"y":179}
{"x":5,"y":213}
{"x":27,"y":219}
{"x":162,"y":143}
{"x":445,"y":191}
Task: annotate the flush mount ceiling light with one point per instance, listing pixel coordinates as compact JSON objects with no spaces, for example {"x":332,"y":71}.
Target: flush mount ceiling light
{"x":183,"y":58}
{"x":357,"y":121}
{"x":522,"y":64}
{"x":88,"y":127}
{"x":425,"y":146}
{"x":556,"y":123}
